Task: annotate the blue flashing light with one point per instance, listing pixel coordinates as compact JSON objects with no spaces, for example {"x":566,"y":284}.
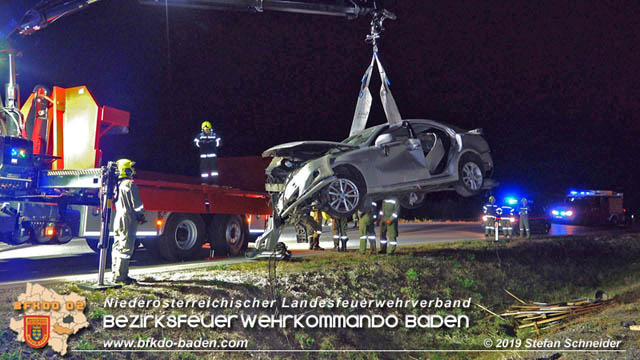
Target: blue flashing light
{"x":14,"y":152}
{"x":511,"y":201}
{"x":573,"y":192}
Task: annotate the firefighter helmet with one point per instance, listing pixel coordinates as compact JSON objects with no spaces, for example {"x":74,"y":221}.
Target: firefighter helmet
{"x":523,"y":200}
{"x":492,"y":198}
{"x":206,"y":125}
{"x":125,"y":168}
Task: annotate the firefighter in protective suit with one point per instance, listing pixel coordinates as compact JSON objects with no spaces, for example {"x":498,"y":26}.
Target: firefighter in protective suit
{"x":366,"y":222}
{"x":489,"y":217}
{"x":339,"y":230}
{"x":129,"y":212}
{"x":506,"y":213}
{"x":389,"y":225}
{"x":313,"y":228}
{"x":523,"y":211}
{"x":208,"y":142}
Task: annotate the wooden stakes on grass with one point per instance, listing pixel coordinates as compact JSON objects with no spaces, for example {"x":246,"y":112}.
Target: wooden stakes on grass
{"x":534,"y":314}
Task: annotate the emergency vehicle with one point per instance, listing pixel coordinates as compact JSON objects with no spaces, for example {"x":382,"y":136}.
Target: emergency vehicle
{"x":589,"y":207}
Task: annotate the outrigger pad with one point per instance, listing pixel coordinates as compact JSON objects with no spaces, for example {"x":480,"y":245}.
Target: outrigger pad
{"x":279,"y":253}
{"x":105,"y":286}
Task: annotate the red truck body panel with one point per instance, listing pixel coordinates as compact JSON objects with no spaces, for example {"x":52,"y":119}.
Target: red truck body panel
{"x":176,"y":193}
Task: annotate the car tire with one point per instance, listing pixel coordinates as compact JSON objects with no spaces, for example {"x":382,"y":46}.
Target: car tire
{"x":470,"y":175}
{"x":228,"y":235}
{"x":344,"y":196}
{"x":409,"y":203}
{"x":182,"y":238}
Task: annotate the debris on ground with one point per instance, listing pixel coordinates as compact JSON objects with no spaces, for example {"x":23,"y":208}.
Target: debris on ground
{"x":542,"y":316}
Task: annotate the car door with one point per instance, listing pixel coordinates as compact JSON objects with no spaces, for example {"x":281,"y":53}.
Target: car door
{"x":434,"y":141}
{"x":399,"y":161}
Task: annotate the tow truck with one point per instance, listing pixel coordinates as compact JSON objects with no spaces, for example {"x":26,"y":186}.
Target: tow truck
{"x":51,"y":176}
{"x":47,"y":12}
{"x":44,"y":174}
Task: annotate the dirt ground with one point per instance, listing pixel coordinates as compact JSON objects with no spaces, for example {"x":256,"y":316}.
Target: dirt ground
{"x":542,"y":270}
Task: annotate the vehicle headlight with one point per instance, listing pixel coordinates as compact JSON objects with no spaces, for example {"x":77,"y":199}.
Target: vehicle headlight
{"x":288,"y":164}
{"x":512,"y":219}
{"x":569,"y":213}
{"x":555,"y":212}
{"x":484,"y":218}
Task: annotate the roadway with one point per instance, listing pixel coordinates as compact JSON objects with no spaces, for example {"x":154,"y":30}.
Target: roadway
{"x":75,"y":261}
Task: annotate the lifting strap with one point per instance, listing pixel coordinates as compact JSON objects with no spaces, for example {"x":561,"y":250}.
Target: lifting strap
{"x":363,"y":105}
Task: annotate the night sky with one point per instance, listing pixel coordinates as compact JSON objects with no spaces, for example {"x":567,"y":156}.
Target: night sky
{"x":554,"y":84}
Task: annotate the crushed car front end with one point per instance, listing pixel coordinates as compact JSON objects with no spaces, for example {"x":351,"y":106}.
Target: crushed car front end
{"x":299,"y":171}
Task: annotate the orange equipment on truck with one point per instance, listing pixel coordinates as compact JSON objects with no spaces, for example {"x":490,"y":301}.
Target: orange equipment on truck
{"x":50,"y":182}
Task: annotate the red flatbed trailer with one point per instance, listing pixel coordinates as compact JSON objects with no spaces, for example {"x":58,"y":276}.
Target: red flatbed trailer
{"x":183,"y":214}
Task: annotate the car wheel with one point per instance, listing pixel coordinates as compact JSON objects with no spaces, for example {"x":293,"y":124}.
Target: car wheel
{"x":228,"y":235}
{"x":412,"y":200}
{"x":343,"y":197}
{"x":182,"y":238}
{"x":470,"y":175}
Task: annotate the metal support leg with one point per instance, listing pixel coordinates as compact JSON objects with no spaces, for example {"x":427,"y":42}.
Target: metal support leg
{"x":267,"y":244}
{"x":109,"y":183}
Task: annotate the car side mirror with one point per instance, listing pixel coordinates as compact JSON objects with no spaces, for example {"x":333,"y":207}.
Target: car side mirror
{"x":383,"y":140}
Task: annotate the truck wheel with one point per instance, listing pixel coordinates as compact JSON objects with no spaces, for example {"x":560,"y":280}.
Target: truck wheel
{"x":470,"y":175}
{"x":64,"y":233}
{"x":228,"y":235}
{"x":19,"y":236}
{"x":182,"y":238}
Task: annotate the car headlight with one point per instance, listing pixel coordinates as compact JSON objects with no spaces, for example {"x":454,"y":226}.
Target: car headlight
{"x":555,"y":212}
{"x":512,"y":219}
{"x":569,"y":213}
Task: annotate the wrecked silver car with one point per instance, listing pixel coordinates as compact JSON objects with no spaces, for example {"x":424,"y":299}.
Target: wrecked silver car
{"x":408,"y":160}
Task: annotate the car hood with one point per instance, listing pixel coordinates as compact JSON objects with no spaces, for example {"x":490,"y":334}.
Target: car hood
{"x":306,"y":149}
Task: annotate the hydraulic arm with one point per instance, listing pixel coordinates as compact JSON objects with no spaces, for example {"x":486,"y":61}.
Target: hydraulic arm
{"x":46,"y":12}
{"x":348,"y":8}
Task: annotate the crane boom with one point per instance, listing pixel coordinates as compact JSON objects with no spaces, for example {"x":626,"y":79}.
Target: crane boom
{"x":46,"y":12}
{"x":347,"y":8}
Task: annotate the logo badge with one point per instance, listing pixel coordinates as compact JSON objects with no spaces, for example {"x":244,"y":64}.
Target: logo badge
{"x":36,"y":330}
